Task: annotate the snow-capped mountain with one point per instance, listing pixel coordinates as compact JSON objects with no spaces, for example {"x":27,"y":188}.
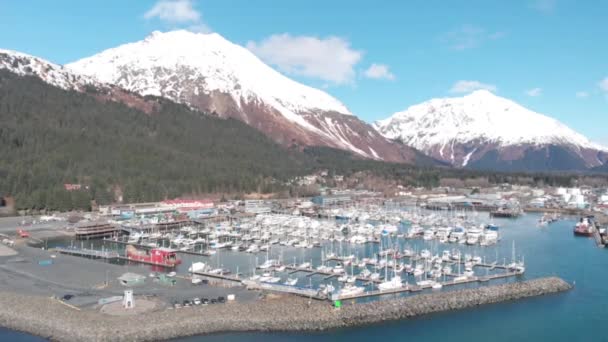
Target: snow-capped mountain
{"x":56,"y":75}
{"x":482,"y":130}
{"x":207,"y":72}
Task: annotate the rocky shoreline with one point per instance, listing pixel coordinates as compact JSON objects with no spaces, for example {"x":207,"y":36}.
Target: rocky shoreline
{"x":49,"y":318}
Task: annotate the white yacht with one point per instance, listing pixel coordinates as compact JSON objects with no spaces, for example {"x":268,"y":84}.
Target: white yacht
{"x":291,"y":281}
{"x":267,"y":264}
{"x":350,"y":290}
{"x":393,"y":284}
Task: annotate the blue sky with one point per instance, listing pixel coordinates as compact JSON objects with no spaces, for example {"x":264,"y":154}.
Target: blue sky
{"x":376,"y":57}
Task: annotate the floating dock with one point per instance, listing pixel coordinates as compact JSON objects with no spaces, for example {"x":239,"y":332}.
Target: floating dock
{"x":92,"y":253}
{"x":415,"y":288}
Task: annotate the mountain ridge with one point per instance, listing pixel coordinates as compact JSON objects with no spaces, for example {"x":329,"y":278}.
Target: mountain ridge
{"x":463,"y":130}
{"x":207,"y":72}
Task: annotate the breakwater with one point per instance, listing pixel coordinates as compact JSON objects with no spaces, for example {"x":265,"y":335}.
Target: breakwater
{"x":49,"y":318}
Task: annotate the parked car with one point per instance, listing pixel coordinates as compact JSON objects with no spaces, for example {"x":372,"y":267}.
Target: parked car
{"x":197,"y":301}
{"x":67,"y":297}
{"x":205,"y":301}
{"x":221,"y":300}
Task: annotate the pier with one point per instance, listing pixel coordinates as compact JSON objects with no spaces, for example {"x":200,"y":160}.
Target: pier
{"x":91,"y":253}
{"x":416,"y":288}
{"x":140,"y":246}
{"x":220,"y":276}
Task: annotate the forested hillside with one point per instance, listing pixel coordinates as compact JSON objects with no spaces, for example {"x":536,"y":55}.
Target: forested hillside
{"x":50,"y":137}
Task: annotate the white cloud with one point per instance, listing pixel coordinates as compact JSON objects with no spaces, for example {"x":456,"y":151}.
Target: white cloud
{"x":582,"y":94}
{"x":469,"y":36}
{"x":534,"y":92}
{"x":544,"y":6}
{"x":178,"y":12}
{"x":603,"y":84}
{"x":464,"y":86}
{"x":379,"y":71}
{"x":330,"y":59}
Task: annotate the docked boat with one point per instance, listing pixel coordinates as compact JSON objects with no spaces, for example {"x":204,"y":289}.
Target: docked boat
{"x":350,"y":290}
{"x":393,"y":284}
{"x":269,"y":278}
{"x":338,"y":269}
{"x":157,"y":256}
{"x":425,"y":283}
{"x":268,"y":264}
{"x":425,"y":254}
{"x":305,"y":264}
{"x":473,"y":236}
{"x":323,"y":268}
{"x":291,"y":281}
{"x":253,"y":249}
{"x":197,"y":267}
{"x":584,"y":227}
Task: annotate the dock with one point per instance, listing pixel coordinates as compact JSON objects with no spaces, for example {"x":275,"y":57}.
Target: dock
{"x":597,"y":237}
{"x":140,"y":246}
{"x":227,"y":277}
{"x":416,"y":288}
{"x":83,"y":252}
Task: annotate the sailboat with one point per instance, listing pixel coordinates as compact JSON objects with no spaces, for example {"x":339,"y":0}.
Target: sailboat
{"x":393,"y":284}
{"x":516,"y":266}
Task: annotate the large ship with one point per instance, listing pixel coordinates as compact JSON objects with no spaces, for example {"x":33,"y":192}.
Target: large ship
{"x":584,"y":227}
{"x":157,"y":256}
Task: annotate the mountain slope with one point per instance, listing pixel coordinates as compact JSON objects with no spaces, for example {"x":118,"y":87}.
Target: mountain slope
{"x":482,"y":130}
{"x":25,"y":65}
{"x":51,"y":136}
{"x":207,"y":72}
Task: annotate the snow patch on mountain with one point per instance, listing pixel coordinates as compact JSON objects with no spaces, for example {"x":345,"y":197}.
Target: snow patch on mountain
{"x":479,"y":116}
{"x":25,"y":65}
{"x":153,"y":65}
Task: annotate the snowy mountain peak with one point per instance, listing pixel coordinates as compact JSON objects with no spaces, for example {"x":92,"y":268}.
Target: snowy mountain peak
{"x":461,"y":130}
{"x":212,"y":74}
{"x":481,"y":93}
{"x":162,"y":61}
{"x":479,"y":116}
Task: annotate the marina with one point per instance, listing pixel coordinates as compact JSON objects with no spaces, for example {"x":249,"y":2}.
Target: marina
{"x":365,"y":253}
{"x":356,"y":255}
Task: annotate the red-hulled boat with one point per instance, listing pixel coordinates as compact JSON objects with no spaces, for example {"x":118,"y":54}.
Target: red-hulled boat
{"x":156,"y":256}
{"x":584,"y":227}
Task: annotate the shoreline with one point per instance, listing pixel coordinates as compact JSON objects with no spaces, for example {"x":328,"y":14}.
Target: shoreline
{"x":46,"y":317}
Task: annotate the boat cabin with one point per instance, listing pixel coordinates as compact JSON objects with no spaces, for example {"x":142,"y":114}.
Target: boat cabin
{"x":164,"y":256}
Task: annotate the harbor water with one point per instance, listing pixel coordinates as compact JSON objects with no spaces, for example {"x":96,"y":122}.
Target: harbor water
{"x":549,"y":250}
{"x":577,"y":315}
